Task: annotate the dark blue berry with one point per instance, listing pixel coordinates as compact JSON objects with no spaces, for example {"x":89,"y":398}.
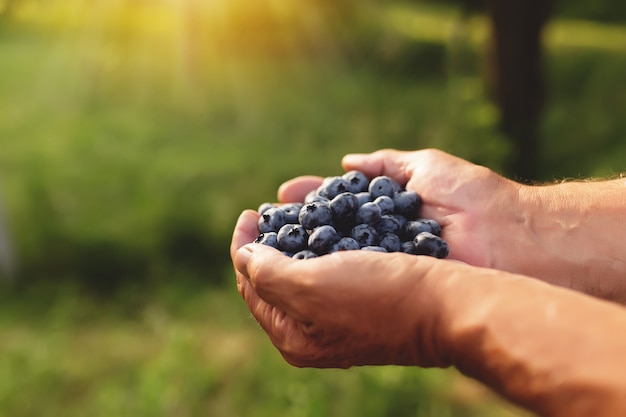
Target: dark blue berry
{"x":434,"y":225}
{"x":305,"y":254}
{"x":413,"y":228}
{"x":407,"y":202}
{"x":402,"y":219}
{"x":264,"y":207}
{"x":374,"y":248}
{"x":292,"y":211}
{"x":363,"y":197}
{"x":292,"y":238}
{"x":368,"y":213}
{"x":272,"y":220}
{"x":385,"y":203}
{"x":344,"y":207}
{"x":332,"y":187}
{"x":391,"y":242}
{"x":365,"y":235}
{"x":315,"y":214}
{"x":322,"y":239}
{"x":345,"y":243}
{"x":383,"y":185}
{"x":408,"y":247}
{"x":313,"y":196}
{"x":357,"y":181}
{"x":388,"y":224}
{"x":429,"y":244}
{"x":268,"y":239}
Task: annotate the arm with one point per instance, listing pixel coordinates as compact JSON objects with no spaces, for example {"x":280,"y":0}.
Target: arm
{"x":549,"y":349}
{"x":575,"y":234}
{"x":571,"y":234}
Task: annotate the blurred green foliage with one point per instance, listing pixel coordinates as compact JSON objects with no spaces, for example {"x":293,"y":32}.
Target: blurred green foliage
{"x":166,"y":359}
{"x":133,"y":133}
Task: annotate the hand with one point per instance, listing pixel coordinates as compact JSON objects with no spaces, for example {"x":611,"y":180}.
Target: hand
{"x":564,"y":234}
{"x":474,"y":205}
{"x":519,"y":336}
{"x":340,"y":310}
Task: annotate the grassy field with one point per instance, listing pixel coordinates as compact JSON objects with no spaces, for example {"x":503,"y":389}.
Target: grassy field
{"x":195,"y":355}
{"x":132,"y":135}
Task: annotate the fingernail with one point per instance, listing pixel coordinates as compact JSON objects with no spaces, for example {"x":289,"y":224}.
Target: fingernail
{"x":353,"y":159}
{"x":242,"y":257}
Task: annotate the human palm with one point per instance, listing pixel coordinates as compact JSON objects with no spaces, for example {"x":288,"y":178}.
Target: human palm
{"x":473,"y":204}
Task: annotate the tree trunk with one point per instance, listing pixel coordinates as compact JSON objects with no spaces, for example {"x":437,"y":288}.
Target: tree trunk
{"x":515,"y":77}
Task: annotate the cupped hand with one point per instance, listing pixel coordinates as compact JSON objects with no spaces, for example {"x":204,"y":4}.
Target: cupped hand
{"x":340,"y":310}
{"x":474,"y":205}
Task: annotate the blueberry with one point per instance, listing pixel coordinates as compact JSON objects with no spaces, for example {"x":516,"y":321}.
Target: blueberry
{"x":369,"y":213}
{"x":374,"y":248}
{"x":272,"y":220}
{"x":350,"y":212}
{"x":388,"y":224}
{"x":332,"y":187}
{"x":363,"y":197}
{"x":292,"y":210}
{"x":357,"y":181}
{"x":364,"y":234}
{"x":344,"y":207}
{"x":429,"y":244}
{"x":345,"y":243}
{"x":268,"y":239}
{"x":305,"y":254}
{"x":264,"y":207}
{"x":391,"y":242}
{"x":322,"y":239}
{"x":434,"y":225}
{"x":408,"y":247}
{"x":407,"y":202}
{"x":315,"y":214}
{"x":383,"y":185}
{"x":413,"y":228}
{"x":313,"y":196}
{"x":385,"y":203}
{"x":402,"y":219}
{"x":292,"y":238}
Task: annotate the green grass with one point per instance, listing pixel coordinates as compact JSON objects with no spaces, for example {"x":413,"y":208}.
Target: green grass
{"x":131,"y":138}
{"x":195,"y":354}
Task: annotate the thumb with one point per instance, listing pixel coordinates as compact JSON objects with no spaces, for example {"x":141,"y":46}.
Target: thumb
{"x":268,"y":271}
{"x":296,"y":189}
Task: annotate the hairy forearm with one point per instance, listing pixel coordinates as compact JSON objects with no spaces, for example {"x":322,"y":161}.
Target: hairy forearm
{"x":572,"y":234}
{"x":552,"y":350}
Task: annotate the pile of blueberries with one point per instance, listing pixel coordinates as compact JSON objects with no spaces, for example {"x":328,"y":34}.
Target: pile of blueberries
{"x":350,"y":212}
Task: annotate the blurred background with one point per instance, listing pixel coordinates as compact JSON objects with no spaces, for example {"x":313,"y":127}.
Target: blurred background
{"x":133,"y":133}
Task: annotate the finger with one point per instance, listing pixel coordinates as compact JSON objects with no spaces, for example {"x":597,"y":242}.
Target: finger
{"x":296,"y":189}
{"x":271,"y":274}
{"x":246,"y":230}
{"x":271,"y":319}
{"x":389,"y":162}
{"x":284,"y":331}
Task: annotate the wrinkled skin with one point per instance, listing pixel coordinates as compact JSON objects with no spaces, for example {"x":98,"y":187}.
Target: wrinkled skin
{"x":345,"y":309}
